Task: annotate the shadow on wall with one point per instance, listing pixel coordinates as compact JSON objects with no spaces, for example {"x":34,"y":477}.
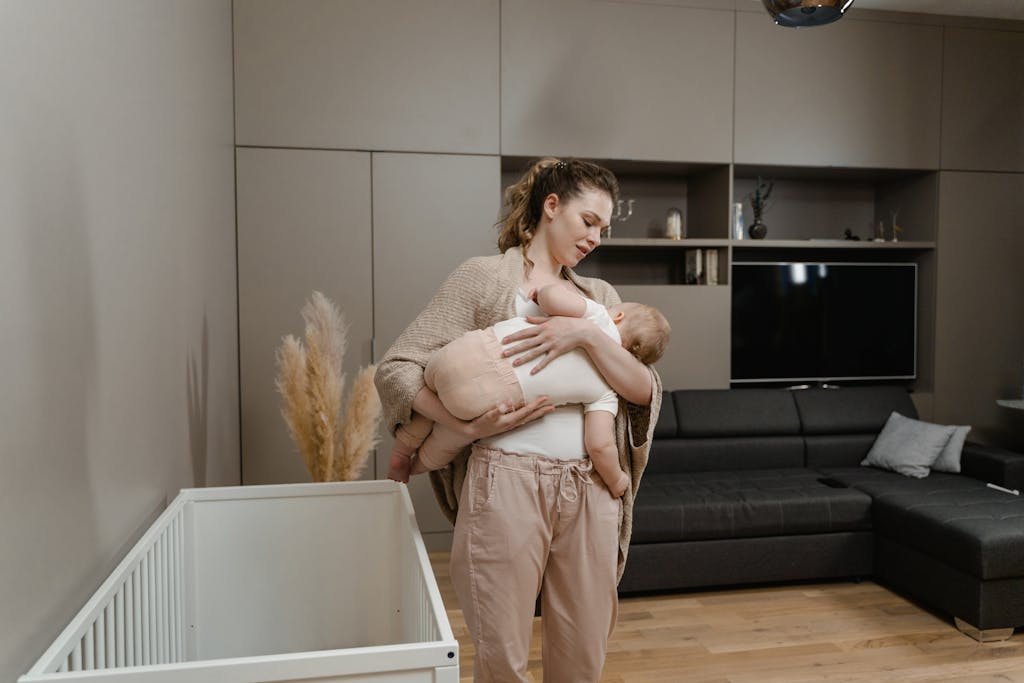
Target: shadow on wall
{"x":198,"y":375}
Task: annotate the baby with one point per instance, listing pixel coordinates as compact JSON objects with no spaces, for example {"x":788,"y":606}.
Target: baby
{"x":470,"y":377}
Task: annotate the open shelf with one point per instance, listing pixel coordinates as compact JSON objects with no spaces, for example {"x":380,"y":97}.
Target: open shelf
{"x":700,"y":191}
{"x":824,"y":203}
{"x":831,"y":244}
{"x":662,"y":243}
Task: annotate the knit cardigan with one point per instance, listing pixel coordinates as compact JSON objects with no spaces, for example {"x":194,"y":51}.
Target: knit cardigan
{"x":478,"y":294}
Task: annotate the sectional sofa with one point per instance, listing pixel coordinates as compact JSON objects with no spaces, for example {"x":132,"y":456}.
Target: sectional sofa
{"x":764,"y":485}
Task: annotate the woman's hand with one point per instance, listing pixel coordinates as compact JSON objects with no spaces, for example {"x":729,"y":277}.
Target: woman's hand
{"x":550,"y":338}
{"x":503,"y":418}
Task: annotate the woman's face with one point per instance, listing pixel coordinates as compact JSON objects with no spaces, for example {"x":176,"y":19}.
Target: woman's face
{"x":576,"y":225}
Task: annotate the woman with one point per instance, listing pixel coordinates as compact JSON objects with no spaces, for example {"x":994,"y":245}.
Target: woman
{"x":529,"y":519}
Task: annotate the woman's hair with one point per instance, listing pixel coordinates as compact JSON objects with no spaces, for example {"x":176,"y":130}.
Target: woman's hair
{"x":647,"y":332}
{"x":565,"y":178}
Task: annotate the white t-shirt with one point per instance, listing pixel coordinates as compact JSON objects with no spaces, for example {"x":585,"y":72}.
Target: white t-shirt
{"x":571,"y":381}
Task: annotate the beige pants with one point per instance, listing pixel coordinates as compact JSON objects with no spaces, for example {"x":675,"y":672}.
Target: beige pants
{"x":529,"y":525}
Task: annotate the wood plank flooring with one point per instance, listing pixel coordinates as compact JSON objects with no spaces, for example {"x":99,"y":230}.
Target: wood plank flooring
{"x":857,"y":632}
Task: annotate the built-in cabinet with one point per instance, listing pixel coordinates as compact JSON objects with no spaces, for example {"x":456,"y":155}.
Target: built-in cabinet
{"x":304,"y":225}
{"x":983,"y":100}
{"x":431,"y":212}
{"x":853,"y":93}
{"x":367,"y":75}
{"x":413,"y":117}
{"x":979,"y":340}
{"x":616,"y":80}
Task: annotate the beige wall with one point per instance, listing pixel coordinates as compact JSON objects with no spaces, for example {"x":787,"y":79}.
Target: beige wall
{"x":117,"y":290}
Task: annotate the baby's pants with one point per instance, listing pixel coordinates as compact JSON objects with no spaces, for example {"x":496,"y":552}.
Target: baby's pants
{"x":529,"y":525}
{"x":470,"y":377}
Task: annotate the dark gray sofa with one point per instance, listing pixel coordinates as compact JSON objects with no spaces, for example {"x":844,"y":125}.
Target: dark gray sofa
{"x":764,"y":485}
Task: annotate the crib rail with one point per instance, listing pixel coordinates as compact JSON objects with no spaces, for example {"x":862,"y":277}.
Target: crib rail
{"x":421,"y":598}
{"x":137,"y":616}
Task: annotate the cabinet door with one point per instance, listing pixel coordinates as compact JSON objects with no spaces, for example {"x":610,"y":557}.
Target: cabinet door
{"x":303,"y":225}
{"x":979,"y":324}
{"x":616,"y":80}
{"x":983,"y":101}
{"x":853,"y":93}
{"x":430,"y":213}
{"x":368,"y":74}
{"x":698,"y":354}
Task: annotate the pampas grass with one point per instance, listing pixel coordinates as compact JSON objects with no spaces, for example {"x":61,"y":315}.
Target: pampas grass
{"x":333,"y":445}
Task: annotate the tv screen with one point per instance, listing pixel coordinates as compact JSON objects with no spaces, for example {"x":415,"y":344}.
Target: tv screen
{"x":803,"y":321}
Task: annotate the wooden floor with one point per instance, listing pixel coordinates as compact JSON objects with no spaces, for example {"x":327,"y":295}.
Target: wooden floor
{"x":786,"y":634}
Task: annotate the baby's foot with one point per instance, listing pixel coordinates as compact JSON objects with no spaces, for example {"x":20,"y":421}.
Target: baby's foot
{"x":618,"y":485}
{"x":399,"y":467}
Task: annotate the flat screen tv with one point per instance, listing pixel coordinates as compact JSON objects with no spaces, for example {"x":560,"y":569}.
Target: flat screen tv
{"x":819,"y":322}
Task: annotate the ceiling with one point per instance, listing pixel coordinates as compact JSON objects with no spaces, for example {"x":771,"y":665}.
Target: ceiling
{"x":998,"y":9}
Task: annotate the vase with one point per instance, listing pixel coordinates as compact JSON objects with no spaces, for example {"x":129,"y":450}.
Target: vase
{"x":757,"y":230}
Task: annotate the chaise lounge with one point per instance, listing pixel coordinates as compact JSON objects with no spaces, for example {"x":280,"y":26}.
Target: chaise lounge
{"x":765,"y":485}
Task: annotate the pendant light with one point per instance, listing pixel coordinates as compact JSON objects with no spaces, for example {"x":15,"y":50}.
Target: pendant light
{"x":797,"y":13}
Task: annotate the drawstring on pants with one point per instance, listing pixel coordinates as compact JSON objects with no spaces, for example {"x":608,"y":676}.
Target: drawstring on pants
{"x":581,"y":470}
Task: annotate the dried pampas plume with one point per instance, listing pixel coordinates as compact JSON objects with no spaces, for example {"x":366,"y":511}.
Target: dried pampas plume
{"x":334,"y":445}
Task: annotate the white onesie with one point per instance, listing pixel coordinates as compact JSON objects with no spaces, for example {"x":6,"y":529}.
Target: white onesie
{"x":571,"y":381}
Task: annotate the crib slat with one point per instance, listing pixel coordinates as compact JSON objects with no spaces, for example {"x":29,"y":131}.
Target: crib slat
{"x":135,"y":621}
{"x":179,"y":655}
{"x":161,"y":582}
{"x":100,"y":635}
{"x":88,"y":649}
{"x":118,"y":638}
{"x":76,"y":657}
{"x":144,"y":602}
{"x":154,"y":654}
{"x":110,"y":639}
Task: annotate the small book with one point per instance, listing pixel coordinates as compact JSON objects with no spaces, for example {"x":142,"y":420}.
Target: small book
{"x":694,"y":269}
{"x":711,"y":267}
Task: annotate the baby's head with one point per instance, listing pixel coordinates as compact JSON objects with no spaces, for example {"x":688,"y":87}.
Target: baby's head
{"x":643,"y":329}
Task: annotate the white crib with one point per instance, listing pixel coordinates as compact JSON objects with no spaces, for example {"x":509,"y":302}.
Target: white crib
{"x":267,"y":583}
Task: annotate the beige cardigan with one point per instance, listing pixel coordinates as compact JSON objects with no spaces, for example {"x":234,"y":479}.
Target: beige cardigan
{"x":479,"y":293}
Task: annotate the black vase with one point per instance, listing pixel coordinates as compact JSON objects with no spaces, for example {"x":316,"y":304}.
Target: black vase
{"x":757,"y":230}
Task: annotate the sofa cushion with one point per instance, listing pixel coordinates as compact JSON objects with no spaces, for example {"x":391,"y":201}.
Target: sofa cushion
{"x":952,"y":518}
{"x":949,"y":459}
{"x":738,"y":453}
{"x":744,"y":504}
{"x":666,"y":428}
{"x":735,"y":413}
{"x":909,"y":446}
{"x":851,"y":410}
{"x":837,"y":450}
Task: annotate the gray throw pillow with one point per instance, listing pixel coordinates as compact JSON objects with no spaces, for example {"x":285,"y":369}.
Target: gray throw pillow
{"x":908,"y":446}
{"x":949,"y":459}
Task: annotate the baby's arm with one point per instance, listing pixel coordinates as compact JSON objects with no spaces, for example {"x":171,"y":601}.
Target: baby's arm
{"x":599,"y":439}
{"x":560,"y":300}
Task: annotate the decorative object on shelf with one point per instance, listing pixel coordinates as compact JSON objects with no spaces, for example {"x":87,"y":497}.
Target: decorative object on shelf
{"x":896,"y":229}
{"x":618,"y":215}
{"x":797,"y":13}
{"x":759,"y":203}
{"x":674,"y":224}
{"x":879,"y":229}
{"x":737,"y":221}
{"x":334,"y":445}
{"x":849,"y":236}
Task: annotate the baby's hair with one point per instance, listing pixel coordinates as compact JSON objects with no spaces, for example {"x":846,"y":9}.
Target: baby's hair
{"x":649,"y":332}
{"x":565,"y":178}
